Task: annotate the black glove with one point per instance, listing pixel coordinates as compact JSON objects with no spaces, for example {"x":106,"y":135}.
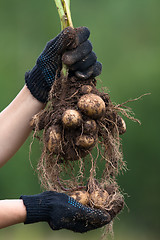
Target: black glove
{"x":62,"y":211}
{"x":79,"y":57}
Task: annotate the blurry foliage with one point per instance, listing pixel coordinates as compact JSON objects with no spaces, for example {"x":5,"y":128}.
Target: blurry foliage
{"x":126,"y":38}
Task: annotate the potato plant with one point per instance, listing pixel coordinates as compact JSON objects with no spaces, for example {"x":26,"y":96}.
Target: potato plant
{"x":78,"y":119}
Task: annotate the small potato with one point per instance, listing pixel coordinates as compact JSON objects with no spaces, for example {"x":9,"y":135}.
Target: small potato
{"x":54,"y":137}
{"x":85,"y":141}
{"x":121,"y":125}
{"x":71,"y":118}
{"x":81,"y":196}
{"x":90,"y":126}
{"x":92,"y":105}
{"x":98,"y":198}
{"x":86,"y":89}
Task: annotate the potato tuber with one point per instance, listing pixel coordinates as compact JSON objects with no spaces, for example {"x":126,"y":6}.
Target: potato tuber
{"x":53,"y":138}
{"x":85,"y":141}
{"x":98,"y":198}
{"x":90,"y":126}
{"x":81,"y":196}
{"x":86,"y":89}
{"x":92,"y":105}
{"x":121,"y":125}
{"x":71,"y":118}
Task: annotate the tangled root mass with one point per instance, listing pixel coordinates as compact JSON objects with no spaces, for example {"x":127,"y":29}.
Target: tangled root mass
{"x":80,"y":121}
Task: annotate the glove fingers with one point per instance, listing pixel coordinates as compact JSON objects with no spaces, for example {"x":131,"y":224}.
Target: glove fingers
{"x":60,"y":43}
{"x":97,"y":69}
{"x":93,"y":71}
{"x":97,"y":217}
{"x":85,"y":74}
{"x":71,"y":57}
{"x":70,"y":214}
{"x":90,"y":219}
{"x":85,"y":63}
{"x":82,"y":34}
{"x":87,"y":218}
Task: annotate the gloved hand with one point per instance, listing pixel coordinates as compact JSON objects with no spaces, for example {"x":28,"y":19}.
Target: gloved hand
{"x":73,"y":48}
{"x":62,"y":211}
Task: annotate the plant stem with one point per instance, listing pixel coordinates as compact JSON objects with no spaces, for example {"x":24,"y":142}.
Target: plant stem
{"x":63,"y":7}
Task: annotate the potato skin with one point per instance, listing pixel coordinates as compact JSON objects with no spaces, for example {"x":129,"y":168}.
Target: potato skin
{"x":71,"y":118}
{"x":98,"y":198}
{"x":81,"y":196}
{"x":90,"y":126}
{"x":121,"y":125}
{"x":86,"y":89}
{"x":92,"y":105}
{"x":85,"y":141}
{"x":54,"y":139}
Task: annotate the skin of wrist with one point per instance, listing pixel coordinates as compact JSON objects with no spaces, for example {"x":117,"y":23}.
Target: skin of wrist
{"x":12,"y":212}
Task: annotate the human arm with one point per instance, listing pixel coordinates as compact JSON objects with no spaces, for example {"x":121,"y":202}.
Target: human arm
{"x":12,"y":212}
{"x":57,"y":209}
{"x":15,"y":123}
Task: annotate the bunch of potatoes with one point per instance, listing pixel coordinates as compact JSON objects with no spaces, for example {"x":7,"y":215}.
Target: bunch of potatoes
{"x":78,"y":117}
{"x":81,"y":122}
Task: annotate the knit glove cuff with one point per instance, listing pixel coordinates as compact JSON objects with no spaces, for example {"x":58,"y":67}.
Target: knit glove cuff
{"x":36,"y":83}
{"x":37,"y":207}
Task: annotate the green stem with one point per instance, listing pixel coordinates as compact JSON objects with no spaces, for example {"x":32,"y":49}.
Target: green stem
{"x":63,"y":7}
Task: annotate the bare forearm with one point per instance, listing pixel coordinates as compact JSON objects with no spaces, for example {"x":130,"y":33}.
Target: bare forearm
{"x":12,"y":212}
{"x":15,"y":123}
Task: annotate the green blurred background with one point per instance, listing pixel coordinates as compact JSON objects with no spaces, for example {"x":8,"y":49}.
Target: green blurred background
{"x":126,"y":38}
